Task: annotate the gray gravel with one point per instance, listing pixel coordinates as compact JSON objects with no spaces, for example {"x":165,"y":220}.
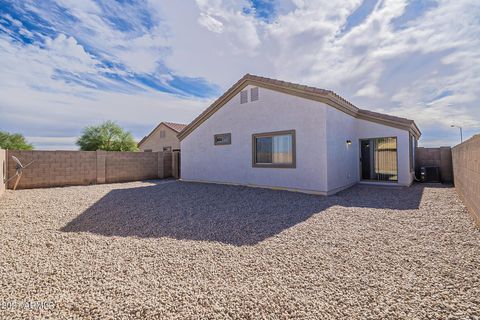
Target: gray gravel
{"x":168,"y":249}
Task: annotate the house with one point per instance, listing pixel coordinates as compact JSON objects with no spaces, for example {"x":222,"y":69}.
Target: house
{"x":270,"y":133}
{"x":162,"y":138}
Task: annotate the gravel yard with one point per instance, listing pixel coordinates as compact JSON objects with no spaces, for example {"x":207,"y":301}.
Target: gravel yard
{"x":169,"y":249}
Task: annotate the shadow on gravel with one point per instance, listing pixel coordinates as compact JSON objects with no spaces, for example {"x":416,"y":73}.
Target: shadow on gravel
{"x":229,"y":214}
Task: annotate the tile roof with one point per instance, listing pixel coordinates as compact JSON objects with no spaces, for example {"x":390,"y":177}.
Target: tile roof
{"x":177,"y":127}
{"x":385,"y":116}
{"x":327,"y":96}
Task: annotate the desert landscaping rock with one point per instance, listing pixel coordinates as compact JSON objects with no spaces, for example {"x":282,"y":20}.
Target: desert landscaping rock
{"x":169,"y":249}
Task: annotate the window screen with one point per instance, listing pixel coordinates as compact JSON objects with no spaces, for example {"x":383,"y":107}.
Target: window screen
{"x":379,"y":159}
{"x":276,"y":149}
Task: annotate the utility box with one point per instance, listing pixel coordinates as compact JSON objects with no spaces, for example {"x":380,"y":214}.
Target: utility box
{"x":430,"y":174}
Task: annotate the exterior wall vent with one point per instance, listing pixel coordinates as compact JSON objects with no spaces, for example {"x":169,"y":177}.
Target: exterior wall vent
{"x":254,"y":94}
{"x":222,"y":139}
{"x":244,"y":96}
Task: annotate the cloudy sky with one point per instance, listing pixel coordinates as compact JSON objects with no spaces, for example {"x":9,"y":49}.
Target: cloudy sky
{"x":65,"y":64}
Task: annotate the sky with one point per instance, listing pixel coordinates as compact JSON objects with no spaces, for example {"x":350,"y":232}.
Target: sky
{"x":66,"y":64}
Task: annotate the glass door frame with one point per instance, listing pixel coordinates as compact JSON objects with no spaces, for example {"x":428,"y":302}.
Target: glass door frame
{"x":372,"y":159}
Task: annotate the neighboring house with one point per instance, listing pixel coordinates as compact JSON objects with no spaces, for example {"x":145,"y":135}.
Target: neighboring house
{"x":162,"y":138}
{"x":270,"y":133}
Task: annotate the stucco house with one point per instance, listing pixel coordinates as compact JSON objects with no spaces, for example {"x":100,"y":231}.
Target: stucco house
{"x":270,"y":133}
{"x":162,"y":138}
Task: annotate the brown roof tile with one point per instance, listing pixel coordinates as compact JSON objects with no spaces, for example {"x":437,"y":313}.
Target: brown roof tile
{"x":314,"y":93}
{"x":177,"y":127}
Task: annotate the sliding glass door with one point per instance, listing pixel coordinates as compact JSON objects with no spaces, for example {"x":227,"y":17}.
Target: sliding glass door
{"x":379,"y":159}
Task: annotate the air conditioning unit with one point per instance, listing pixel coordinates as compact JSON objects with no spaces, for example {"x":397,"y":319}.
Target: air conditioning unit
{"x":430,"y":174}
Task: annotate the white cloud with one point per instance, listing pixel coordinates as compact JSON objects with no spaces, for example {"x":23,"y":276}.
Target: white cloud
{"x":427,"y":69}
{"x":210,"y":23}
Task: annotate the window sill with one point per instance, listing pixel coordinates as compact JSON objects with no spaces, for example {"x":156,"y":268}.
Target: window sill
{"x":274,"y":166}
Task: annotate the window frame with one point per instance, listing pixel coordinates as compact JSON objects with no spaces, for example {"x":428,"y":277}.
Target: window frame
{"x":274,"y":165}
{"x":360,"y":162}
{"x":411,"y":146}
{"x":227,"y":139}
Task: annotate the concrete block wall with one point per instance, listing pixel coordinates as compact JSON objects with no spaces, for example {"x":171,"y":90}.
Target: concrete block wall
{"x":436,"y":157}
{"x":130,"y":166}
{"x":54,"y":168}
{"x":64,"y":168}
{"x":3,"y":170}
{"x":466,"y":168}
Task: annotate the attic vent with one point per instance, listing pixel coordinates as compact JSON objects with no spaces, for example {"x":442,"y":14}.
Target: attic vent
{"x":244,"y":96}
{"x":254,"y":94}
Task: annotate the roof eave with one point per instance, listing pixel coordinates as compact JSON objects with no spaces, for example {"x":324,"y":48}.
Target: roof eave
{"x":324,"y":96}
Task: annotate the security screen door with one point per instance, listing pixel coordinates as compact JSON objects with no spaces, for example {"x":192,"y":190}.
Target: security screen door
{"x":379,"y":159}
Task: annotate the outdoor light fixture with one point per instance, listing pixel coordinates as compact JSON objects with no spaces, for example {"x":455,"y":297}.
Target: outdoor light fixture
{"x":349,"y":142}
{"x":461,"y":131}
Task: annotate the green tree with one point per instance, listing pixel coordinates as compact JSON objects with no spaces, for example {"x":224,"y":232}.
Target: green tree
{"x":107,"y":136}
{"x":14,"y":141}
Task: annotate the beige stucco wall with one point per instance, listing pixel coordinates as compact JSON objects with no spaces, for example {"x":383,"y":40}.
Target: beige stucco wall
{"x":3,"y":170}
{"x":155,"y":143}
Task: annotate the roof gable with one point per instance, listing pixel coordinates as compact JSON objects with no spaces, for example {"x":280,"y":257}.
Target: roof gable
{"x":176,"y":127}
{"x":321,"y":95}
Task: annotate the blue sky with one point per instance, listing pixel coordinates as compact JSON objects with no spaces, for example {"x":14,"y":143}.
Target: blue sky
{"x":66,"y":64}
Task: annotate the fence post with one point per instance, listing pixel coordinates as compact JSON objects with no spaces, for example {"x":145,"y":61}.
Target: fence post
{"x":101,"y":166}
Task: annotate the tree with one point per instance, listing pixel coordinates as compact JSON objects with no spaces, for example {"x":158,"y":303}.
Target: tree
{"x":107,"y":136}
{"x":14,"y":141}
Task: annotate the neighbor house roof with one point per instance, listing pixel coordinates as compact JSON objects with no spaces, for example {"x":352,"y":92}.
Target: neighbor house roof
{"x":177,"y":127}
{"x":326,"y":96}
